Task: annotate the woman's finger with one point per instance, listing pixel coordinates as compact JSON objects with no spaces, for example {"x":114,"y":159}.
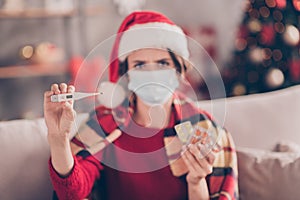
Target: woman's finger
{"x":210,"y":158}
{"x":71,"y":89}
{"x":193,"y":155}
{"x":63,"y":87}
{"x":195,"y":151}
{"x":200,"y":159}
{"x":55,"y":88}
{"x":194,"y":167}
{"x":187,"y":158}
{"x":207,"y":153}
{"x":204,"y":149}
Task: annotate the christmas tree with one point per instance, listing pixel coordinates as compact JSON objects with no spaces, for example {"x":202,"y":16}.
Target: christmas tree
{"x":266,"y":55}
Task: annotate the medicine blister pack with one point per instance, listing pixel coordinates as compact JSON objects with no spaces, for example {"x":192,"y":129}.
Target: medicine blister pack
{"x":196,"y":134}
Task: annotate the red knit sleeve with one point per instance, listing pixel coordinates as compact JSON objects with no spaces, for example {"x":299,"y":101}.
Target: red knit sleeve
{"x":78,"y":184}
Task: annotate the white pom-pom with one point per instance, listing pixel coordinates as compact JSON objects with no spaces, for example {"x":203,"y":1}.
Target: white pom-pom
{"x":291,"y":35}
{"x":112,"y":94}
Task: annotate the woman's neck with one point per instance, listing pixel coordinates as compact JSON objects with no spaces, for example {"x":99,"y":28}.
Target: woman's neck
{"x":157,"y":116}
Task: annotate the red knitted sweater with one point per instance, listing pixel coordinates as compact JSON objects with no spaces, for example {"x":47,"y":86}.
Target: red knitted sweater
{"x":158,"y":184}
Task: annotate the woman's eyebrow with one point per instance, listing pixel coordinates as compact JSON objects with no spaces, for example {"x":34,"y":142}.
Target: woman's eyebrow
{"x":163,"y":59}
{"x":138,"y":61}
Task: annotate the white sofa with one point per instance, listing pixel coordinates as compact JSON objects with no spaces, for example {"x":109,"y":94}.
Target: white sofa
{"x":25,"y":154}
{"x":257,"y":122}
{"x":266,"y":130}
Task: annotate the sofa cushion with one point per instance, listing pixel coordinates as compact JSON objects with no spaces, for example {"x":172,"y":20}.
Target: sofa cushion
{"x":268,"y":175}
{"x":260,"y":120}
{"x":24,"y":159}
{"x":23,"y":169}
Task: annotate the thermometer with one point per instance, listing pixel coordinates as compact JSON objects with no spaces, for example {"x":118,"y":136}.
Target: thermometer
{"x":71,"y":96}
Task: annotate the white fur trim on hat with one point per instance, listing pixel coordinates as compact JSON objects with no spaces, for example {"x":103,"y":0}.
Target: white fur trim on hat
{"x":153,"y":35}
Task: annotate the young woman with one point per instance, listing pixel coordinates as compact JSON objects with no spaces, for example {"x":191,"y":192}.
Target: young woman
{"x":132,"y":152}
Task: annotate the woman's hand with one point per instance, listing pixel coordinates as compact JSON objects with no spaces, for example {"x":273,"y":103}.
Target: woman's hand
{"x":59,"y":116}
{"x":199,"y":162}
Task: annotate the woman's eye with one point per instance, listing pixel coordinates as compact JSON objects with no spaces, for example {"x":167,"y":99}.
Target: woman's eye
{"x":163,"y":63}
{"x":139,"y":65}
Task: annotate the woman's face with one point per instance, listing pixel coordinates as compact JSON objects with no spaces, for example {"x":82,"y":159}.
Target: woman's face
{"x":145,"y":57}
{"x":152,"y":75}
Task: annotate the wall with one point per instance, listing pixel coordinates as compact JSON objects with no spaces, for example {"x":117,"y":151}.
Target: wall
{"x":223,"y":15}
{"x":79,"y":34}
{"x":74,"y":34}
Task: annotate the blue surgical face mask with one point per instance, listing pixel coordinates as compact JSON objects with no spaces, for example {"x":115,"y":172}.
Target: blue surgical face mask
{"x":154,"y":87}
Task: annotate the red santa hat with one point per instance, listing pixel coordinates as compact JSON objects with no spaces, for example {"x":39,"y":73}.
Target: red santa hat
{"x":146,"y":29}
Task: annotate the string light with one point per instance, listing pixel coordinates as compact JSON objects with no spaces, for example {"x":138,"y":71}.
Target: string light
{"x":26,"y":52}
{"x":254,"y":26}
{"x":256,"y":55}
{"x":247,"y":6}
{"x":274,"y":78}
{"x":296,"y":4}
{"x":267,"y":53}
{"x":279,"y":27}
{"x":281,"y":4}
{"x":239,"y":89}
{"x":240,"y":44}
{"x":269,"y":42}
{"x":253,"y":13}
{"x":271,"y":3}
{"x":291,"y":35}
{"x":264,"y":11}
